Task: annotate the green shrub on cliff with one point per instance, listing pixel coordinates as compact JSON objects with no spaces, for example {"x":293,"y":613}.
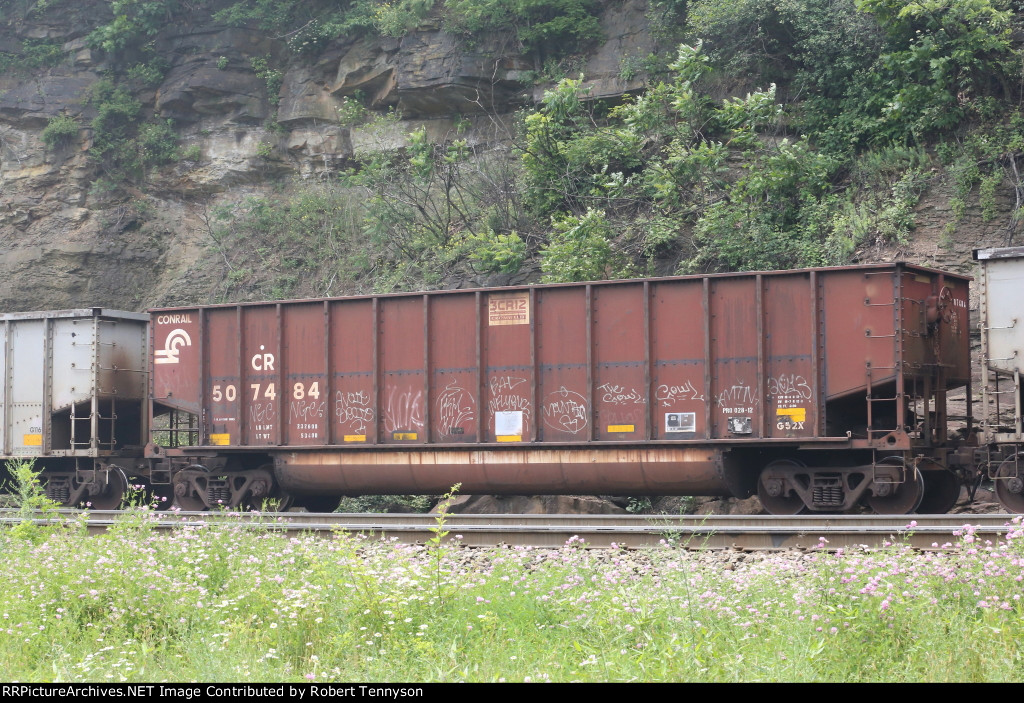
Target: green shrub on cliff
{"x":60,"y":131}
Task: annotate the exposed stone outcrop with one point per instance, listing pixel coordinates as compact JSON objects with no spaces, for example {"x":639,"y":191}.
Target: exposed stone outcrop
{"x":65,"y":242}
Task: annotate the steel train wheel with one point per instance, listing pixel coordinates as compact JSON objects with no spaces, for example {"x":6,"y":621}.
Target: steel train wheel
{"x":779,"y":503}
{"x":276,"y":501}
{"x":904,"y":498}
{"x":113,"y":495}
{"x":183,"y":495}
{"x":941,"y":492}
{"x":1010,"y":484}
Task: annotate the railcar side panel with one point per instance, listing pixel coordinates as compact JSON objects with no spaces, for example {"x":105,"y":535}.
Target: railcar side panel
{"x":1002,"y":347}
{"x":859,"y":317}
{"x":736,"y":374}
{"x":177,"y":341}
{"x":792,"y":386}
{"x":403,"y":392}
{"x":352,"y":358}
{"x":680,"y":378}
{"x":27,"y":374}
{"x":454,"y":381}
{"x":621,"y":363}
{"x":509,"y":385}
{"x":1003,"y":321}
{"x":225,"y":401}
{"x":304,"y":359}
{"x":262,"y":365}
{"x":564,"y":356}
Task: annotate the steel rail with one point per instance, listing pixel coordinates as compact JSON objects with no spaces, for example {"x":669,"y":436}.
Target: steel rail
{"x":743,"y":532}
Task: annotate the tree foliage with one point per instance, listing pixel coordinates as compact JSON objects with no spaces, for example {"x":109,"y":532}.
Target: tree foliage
{"x":548,"y":27}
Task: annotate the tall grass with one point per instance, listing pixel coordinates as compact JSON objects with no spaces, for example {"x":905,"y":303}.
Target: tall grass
{"x":226,"y":603}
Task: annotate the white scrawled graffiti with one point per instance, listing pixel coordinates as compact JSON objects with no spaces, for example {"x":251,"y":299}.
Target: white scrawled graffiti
{"x":454,"y":407}
{"x":506,"y":398}
{"x":353,"y":411}
{"x":403,"y":409}
{"x":789,"y":387}
{"x":738,"y":398}
{"x":261,"y":421}
{"x":306,"y":410}
{"x":261,"y":413}
{"x":566,"y":411}
{"x":616,"y":394}
{"x":667,"y":394}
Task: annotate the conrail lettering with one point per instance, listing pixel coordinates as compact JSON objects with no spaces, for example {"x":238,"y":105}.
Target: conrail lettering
{"x":264,"y":361}
{"x":173,"y":319}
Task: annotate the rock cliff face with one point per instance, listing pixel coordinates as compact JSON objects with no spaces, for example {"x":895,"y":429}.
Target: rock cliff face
{"x":66,"y":242}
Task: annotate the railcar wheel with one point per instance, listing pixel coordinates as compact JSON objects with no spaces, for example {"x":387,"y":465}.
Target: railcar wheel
{"x":941,"y":492}
{"x":771,"y":490}
{"x":184,"y":496}
{"x":112,"y":494}
{"x":1010,"y":484}
{"x":902,"y":498}
{"x":274,"y":500}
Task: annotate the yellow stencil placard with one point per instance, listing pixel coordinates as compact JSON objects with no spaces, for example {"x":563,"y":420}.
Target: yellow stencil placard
{"x":32,"y":440}
{"x":622,"y":428}
{"x":220,"y":439}
{"x":509,"y":438}
{"x":355,"y":438}
{"x":794,"y":414}
{"x":405,"y":435}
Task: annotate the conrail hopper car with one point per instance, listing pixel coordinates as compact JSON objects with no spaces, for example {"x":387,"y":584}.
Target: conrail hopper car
{"x":818,"y":390}
{"x":815,"y":389}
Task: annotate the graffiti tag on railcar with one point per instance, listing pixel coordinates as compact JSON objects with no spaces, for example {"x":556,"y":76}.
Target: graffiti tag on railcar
{"x":403,"y":410}
{"x":306,"y":411}
{"x":505,"y":399}
{"x":454,"y":407}
{"x":667,"y":394}
{"x":789,"y":388}
{"x":738,"y":398}
{"x":566,"y":411}
{"x":616,"y":394}
{"x":353,"y":411}
{"x":261,"y":420}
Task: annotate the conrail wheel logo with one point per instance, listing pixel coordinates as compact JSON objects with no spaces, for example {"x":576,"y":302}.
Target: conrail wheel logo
{"x":175,"y":340}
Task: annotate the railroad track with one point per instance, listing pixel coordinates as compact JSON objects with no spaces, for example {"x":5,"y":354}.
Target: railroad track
{"x":745,"y":532}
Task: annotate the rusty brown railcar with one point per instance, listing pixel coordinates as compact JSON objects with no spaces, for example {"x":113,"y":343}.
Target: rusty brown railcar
{"x":817,"y":389}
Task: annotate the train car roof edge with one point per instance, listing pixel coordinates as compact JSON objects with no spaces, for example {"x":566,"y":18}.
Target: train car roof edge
{"x":529,"y":286}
